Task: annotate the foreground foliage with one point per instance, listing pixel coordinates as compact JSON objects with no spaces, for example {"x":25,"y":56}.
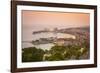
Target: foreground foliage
{"x":56,"y":53}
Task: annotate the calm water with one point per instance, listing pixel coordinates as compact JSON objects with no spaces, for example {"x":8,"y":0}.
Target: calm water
{"x":28,"y":36}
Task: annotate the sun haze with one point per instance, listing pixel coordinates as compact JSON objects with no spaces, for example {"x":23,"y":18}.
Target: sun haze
{"x":41,"y":19}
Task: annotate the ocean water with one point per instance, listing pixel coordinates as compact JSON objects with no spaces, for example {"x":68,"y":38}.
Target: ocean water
{"x":27,"y":37}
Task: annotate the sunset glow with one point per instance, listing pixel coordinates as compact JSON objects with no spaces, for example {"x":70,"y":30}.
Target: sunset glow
{"x":37,"y":19}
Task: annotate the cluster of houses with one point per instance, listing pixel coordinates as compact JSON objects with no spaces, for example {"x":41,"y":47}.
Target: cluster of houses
{"x":79,"y":36}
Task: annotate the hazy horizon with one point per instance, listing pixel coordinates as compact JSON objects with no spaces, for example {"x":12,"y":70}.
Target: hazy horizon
{"x":38,"y":20}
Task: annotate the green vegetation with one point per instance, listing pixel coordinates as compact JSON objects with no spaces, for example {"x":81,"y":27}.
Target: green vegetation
{"x":32,"y":54}
{"x":56,"y":53}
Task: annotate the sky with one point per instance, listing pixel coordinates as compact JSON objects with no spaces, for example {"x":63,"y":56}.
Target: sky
{"x":40,"y":19}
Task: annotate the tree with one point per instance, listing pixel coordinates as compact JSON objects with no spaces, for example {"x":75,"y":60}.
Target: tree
{"x":32,"y":54}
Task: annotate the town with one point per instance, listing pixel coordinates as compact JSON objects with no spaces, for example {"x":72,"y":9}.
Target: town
{"x":80,"y":35}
